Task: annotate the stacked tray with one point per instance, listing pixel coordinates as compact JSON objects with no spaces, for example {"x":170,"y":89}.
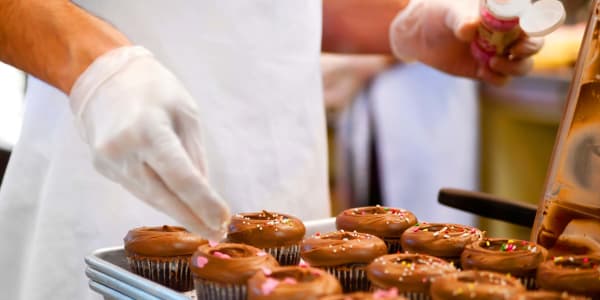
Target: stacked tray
{"x":109,"y":273}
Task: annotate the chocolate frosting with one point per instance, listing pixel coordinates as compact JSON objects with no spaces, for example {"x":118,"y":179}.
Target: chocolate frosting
{"x":441,"y":240}
{"x":407,"y":272}
{"x":341,"y":248}
{"x":546,"y":295}
{"x":265,"y":229}
{"x":576,"y":274}
{"x":293,"y":283}
{"x":517,"y":257}
{"x":211,"y":262}
{"x":364,"y":296}
{"x":384,"y":222}
{"x":475,"y":285}
{"x":164,"y":241}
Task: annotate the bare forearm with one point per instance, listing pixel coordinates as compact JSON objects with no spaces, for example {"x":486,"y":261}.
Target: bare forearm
{"x":53,"y":39}
{"x":359,"y":26}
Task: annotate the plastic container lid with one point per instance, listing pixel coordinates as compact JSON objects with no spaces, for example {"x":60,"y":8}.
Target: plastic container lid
{"x":542,"y":17}
{"x":507,"y":9}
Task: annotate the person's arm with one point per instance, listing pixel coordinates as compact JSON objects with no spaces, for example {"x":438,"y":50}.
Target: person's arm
{"x":141,"y":124}
{"x":53,"y":40}
{"x":358,"y":26}
{"x":435,"y":32}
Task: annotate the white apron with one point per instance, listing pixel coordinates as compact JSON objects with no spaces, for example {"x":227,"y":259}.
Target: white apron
{"x":425,"y":127}
{"x":253,"y":67}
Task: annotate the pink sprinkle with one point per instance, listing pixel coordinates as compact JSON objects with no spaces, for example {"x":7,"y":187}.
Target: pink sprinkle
{"x":212,"y":243}
{"x":383,"y":294}
{"x":261,"y":253}
{"x":266,"y":270}
{"x":221,"y":255}
{"x":290,"y":280}
{"x":303,"y":264}
{"x":269,"y":286}
{"x":201,"y":261}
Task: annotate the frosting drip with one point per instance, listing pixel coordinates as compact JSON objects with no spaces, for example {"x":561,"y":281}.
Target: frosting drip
{"x":516,"y":257}
{"x":265,"y":229}
{"x":441,"y":240}
{"x":385,"y":222}
{"x":165,"y":241}
{"x":229,"y":263}
{"x":340,"y":248}
{"x":407,"y":272}
{"x":477,"y":285}
{"x":578,"y":274}
{"x":292,"y":282}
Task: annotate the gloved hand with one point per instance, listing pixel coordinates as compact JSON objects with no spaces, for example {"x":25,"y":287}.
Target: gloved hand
{"x":142,"y":127}
{"x":439,"y":33}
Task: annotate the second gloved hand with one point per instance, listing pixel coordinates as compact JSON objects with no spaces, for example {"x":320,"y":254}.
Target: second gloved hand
{"x":143,"y":130}
{"x":439,"y":32}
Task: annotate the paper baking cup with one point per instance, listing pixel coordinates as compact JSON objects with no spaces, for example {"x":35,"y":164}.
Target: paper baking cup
{"x":352,"y":277}
{"x":173,"y":272}
{"x":286,"y":256}
{"x":211,"y":290}
{"x":529,"y":282}
{"x":393,"y":245}
{"x":415,"y":296}
{"x":454,"y":261}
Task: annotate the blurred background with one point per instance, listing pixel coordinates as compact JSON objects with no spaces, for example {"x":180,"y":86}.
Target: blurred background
{"x":399,"y":145}
{"x":400,"y":131}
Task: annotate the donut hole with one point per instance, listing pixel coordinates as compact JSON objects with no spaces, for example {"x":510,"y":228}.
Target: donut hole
{"x":343,"y":236}
{"x":298,"y":275}
{"x":233,"y":251}
{"x":578,"y":263}
{"x":264,"y":215}
{"x":166,"y":228}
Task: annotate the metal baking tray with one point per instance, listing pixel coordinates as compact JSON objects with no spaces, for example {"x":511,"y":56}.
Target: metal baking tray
{"x":110,"y":276}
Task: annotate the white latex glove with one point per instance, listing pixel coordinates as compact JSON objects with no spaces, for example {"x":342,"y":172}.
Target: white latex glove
{"x":439,"y":33}
{"x":142,"y":127}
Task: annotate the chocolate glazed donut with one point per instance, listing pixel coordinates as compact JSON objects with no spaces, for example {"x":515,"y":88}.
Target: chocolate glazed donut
{"x":577,"y":274}
{"x":385,"y":222}
{"x":442,"y":240}
{"x":517,"y":257}
{"x":475,"y":285}
{"x":265,"y":229}
{"x":293,"y":283}
{"x":164,"y":241}
{"x":408,"y":272}
{"x":340,"y":248}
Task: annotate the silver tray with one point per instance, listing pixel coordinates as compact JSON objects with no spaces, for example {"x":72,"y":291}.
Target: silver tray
{"x":111,"y":277}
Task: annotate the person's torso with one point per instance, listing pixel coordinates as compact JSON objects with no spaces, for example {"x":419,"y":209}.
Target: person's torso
{"x":252,"y":66}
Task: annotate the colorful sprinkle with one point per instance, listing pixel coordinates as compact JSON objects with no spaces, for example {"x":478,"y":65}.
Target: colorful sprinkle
{"x":383,"y":294}
{"x":303,"y":263}
{"x":201,"y":261}
{"x":269,"y":286}
{"x":289,"y":280}
{"x":221,"y":255}
{"x":266,"y":270}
